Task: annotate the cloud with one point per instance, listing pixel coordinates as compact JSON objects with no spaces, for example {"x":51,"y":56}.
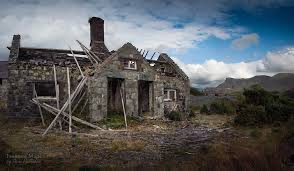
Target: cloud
{"x":211,"y":73}
{"x":148,"y":25}
{"x":281,"y":61}
{"x":245,"y":41}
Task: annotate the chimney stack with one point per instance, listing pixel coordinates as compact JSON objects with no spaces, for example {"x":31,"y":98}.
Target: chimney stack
{"x":97,"y":38}
{"x":96,"y":29}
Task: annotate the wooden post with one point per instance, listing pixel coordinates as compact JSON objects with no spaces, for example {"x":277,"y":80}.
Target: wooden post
{"x":123,"y":105}
{"x":40,"y":110}
{"x":57,"y":94}
{"x":73,"y":96}
{"x":69,"y":102}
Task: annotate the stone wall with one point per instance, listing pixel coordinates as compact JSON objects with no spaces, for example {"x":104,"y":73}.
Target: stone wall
{"x":21,"y":80}
{"x":98,"y":87}
{"x":28,"y":66}
{"x":182,"y":88}
{"x":3,"y":92}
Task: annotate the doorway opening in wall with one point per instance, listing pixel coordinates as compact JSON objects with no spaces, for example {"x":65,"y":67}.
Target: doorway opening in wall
{"x":145,"y":100}
{"x":114,"y":100}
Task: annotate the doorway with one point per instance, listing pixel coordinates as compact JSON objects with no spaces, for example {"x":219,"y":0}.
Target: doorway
{"x":114,"y":101}
{"x":145,"y":100}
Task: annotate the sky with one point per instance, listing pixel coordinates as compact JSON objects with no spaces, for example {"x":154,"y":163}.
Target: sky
{"x":209,"y":39}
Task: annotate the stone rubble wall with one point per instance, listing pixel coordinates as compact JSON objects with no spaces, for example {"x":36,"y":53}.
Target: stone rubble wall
{"x":20,"y":86}
{"x":3,"y":92}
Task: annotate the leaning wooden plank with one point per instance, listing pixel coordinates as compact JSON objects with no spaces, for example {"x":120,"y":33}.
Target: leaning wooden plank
{"x":123,"y":105}
{"x":74,"y":118}
{"x":89,"y":51}
{"x":49,"y":110}
{"x":76,"y":62}
{"x":40,"y":110}
{"x":77,"y":104}
{"x":83,"y":107}
{"x":69,"y":102}
{"x":82,"y":83}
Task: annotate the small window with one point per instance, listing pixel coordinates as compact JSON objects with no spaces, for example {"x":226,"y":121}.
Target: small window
{"x":130,"y":65}
{"x":162,"y":69}
{"x":45,"y":89}
{"x":170,"y":95}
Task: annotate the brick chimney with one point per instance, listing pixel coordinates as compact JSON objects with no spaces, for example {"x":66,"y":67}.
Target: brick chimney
{"x":96,"y":29}
{"x":97,"y":37}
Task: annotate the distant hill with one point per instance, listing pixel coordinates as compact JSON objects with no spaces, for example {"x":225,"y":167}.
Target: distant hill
{"x":280,"y":82}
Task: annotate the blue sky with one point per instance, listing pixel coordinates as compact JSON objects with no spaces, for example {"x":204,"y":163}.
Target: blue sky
{"x":209,"y":39}
{"x":274,"y":26}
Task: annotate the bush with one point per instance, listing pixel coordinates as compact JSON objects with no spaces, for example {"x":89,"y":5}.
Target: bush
{"x":263,"y":107}
{"x":204,"y":109}
{"x":251,"y":115}
{"x":117,"y":120}
{"x":223,"y":107}
{"x":195,"y":92}
{"x":175,"y":116}
{"x":255,"y":133}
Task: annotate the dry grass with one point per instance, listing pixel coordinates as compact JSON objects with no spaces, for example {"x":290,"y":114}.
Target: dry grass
{"x":127,"y":145}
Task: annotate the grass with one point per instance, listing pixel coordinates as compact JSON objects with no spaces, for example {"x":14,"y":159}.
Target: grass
{"x":116,"y":121}
{"x":127,"y":145}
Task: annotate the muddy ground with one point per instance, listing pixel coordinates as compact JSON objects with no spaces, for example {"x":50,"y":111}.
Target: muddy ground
{"x":150,"y":144}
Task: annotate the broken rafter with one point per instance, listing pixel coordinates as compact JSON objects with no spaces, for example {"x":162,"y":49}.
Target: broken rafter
{"x":77,"y":62}
{"x":146,"y":54}
{"x":152,"y":56}
{"x":89,"y":52}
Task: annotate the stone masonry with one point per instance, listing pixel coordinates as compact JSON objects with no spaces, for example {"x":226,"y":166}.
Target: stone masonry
{"x":146,"y":87}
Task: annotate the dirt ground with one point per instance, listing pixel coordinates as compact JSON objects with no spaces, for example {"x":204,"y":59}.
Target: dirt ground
{"x":149,"y":144}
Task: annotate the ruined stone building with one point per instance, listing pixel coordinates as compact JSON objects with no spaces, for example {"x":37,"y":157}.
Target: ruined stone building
{"x":3,"y":82}
{"x":148,"y":87}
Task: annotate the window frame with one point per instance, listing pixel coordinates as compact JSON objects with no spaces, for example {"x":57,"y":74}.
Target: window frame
{"x":167,"y":94}
{"x":129,"y":63}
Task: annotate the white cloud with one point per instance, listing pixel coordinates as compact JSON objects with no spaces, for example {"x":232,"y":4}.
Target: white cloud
{"x":281,"y":61}
{"x":245,"y":41}
{"x":212,"y":72}
{"x":59,"y":23}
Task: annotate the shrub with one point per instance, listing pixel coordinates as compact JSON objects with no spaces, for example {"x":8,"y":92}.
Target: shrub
{"x":263,"y":107}
{"x":175,"y":116}
{"x":255,"y":133}
{"x":117,"y":120}
{"x":251,"y":115}
{"x":223,"y":107}
{"x":204,"y":109}
{"x":195,"y":92}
